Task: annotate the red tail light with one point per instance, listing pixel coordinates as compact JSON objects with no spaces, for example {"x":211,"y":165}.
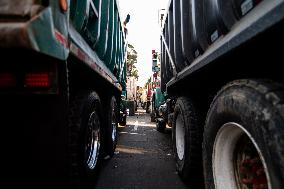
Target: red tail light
{"x":37,"y":80}
{"x":7,"y":80}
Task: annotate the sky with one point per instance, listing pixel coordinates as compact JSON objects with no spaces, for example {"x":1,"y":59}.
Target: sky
{"x":143,"y":31}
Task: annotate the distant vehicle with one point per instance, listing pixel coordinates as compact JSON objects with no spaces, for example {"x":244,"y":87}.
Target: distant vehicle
{"x":123,"y":110}
{"x":221,"y":71}
{"x":148,"y":98}
{"x":158,"y":103}
{"x":61,"y":78}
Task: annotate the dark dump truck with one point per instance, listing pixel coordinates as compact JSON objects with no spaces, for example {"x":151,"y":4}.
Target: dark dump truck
{"x":222,"y":76}
{"x":62,"y":73}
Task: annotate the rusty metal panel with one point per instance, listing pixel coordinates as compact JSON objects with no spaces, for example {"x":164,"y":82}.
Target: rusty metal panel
{"x":13,"y":35}
{"x":19,"y":9}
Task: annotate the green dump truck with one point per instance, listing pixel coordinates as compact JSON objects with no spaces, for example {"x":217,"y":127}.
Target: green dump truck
{"x":221,"y":68}
{"x":62,"y":73}
{"x":158,"y":103}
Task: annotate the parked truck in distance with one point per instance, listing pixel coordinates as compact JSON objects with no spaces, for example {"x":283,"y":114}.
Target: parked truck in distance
{"x":62,"y":74}
{"x":222,"y":78}
{"x":158,"y":102}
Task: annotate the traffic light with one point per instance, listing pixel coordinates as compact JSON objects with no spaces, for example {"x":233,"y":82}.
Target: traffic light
{"x":154,"y":60}
{"x":155,"y":75}
{"x":154,"y":55}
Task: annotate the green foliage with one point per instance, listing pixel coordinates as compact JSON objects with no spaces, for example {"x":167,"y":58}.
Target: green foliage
{"x":131,"y":61}
{"x":147,"y":83}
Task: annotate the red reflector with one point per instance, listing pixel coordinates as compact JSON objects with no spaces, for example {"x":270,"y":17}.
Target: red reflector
{"x":37,"y":80}
{"x":7,"y":80}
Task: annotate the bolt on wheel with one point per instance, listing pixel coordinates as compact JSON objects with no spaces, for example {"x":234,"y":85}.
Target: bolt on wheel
{"x":237,"y":160}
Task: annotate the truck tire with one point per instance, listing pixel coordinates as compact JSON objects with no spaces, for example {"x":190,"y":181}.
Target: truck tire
{"x":123,"y":121}
{"x":84,"y":139}
{"x":153,"y":116}
{"x":160,"y":125}
{"x":186,"y":137}
{"x":131,"y":107}
{"x":244,"y":136}
{"x":111,"y":127}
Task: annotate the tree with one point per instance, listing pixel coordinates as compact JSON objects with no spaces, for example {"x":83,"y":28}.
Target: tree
{"x":131,"y":61}
{"x":147,"y":83}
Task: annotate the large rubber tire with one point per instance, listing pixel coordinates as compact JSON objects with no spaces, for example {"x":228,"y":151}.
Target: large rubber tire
{"x":187,"y":140}
{"x":153,"y":116}
{"x":111,"y":127}
{"x":131,"y":107}
{"x":252,"y":109}
{"x":160,"y":125}
{"x":85,"y":138}
{"x":123,"y":120}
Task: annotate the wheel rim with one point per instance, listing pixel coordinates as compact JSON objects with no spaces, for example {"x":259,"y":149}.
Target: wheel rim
{"x":113,"y":124}
{"x":180,"y":137}
{"x":237,"y":160}
{"x":93,"y":141}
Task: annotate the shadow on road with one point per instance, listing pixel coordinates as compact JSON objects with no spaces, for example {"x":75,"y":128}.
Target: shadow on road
{"x":143,"y":158}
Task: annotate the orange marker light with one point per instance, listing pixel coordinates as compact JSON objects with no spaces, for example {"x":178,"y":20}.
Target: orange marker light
{"x":63,"y":5}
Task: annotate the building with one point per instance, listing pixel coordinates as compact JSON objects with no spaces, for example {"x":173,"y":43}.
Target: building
{"x":131,"y":87}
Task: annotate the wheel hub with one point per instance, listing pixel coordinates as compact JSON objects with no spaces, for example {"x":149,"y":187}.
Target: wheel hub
{"x":93,"y":143}
{"x":250,"y":172}
{"x":237,"y":160}
{"x":114,"y":129}
{"x":180,"y":132}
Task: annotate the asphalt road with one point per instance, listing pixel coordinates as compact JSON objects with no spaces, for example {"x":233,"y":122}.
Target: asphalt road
{"x":143,"y":158}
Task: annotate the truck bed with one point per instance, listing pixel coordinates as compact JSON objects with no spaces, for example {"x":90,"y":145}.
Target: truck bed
{"x":261,"y":18}
{"x":81,"y":50}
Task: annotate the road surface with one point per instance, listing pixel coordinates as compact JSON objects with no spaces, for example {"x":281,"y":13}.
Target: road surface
{"x":143,"y":158}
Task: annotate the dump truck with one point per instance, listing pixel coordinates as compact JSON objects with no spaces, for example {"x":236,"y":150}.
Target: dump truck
{"x":157,"y":97}
{"x":222,"y":76}
{"x":62,"y":73}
